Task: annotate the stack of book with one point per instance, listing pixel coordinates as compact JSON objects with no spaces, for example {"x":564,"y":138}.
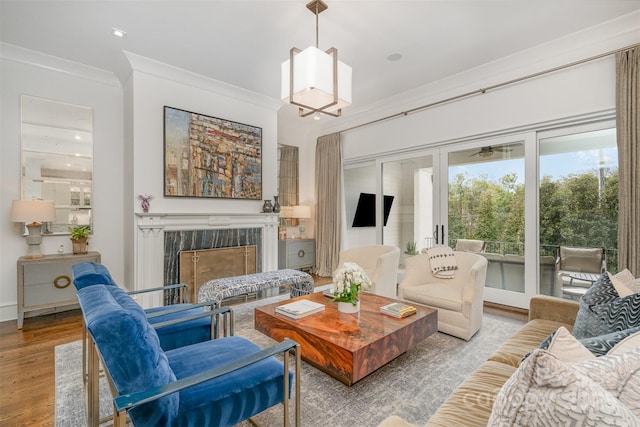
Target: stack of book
{"x":398,"y":309}
{"x":299,"y":309}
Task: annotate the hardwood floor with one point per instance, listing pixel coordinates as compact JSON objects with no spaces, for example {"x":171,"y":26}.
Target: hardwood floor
{"x":27,"y":371}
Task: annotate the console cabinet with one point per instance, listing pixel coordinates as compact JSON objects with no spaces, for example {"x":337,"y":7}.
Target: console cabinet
{"x":298,"y":254}
{"x":45,"y":283}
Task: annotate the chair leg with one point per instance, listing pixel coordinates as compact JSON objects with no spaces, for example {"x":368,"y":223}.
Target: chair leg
{"x":119,"y":418}
{"x":84,"y":354}
{"x":285,"y":389}
{"x":298,"y":388}
{"x":93,"y":387}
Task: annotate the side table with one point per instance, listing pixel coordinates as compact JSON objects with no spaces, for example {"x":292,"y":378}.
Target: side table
{"x":46,"y":282}
{"x":298,"y":254}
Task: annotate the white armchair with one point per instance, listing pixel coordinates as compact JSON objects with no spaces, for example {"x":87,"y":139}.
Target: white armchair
{"x":381,"y":265}
{"x":459,"y":301}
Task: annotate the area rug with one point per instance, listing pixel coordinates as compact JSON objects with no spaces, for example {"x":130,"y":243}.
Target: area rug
{"x":413,"y":386}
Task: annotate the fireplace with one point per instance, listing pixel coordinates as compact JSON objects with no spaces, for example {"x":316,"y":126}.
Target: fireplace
{"x":160,"y":238}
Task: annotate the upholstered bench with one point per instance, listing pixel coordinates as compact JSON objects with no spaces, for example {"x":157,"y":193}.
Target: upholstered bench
{"x":216,"y":290}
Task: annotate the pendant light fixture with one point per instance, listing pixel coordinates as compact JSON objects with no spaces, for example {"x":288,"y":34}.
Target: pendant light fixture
{"x":314,"y":80}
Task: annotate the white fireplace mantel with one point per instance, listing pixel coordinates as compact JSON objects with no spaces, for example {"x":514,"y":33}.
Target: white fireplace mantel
{"x":150,"y":241}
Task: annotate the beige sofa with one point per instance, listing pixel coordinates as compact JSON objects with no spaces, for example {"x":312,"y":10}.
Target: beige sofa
{"x":471,"y":402}
{"x":459,"y":300}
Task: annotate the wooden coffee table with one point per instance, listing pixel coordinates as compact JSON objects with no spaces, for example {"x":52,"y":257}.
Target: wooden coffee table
{"x":348,"y":346}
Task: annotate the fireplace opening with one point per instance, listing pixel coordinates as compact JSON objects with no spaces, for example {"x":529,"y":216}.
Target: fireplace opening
{"x":199,"y":266}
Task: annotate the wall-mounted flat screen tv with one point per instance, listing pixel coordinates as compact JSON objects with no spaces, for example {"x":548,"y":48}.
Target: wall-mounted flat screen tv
{"x":366,"y":210}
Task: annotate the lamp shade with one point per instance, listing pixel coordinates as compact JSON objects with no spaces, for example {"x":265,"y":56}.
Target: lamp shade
{"x":30,"y":211}
{"x":301,"y":212}
{"x":286,"y":212}
{"x":313,"y":80}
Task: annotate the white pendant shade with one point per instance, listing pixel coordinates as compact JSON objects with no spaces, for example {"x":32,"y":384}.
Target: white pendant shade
{"x":313,"y":80}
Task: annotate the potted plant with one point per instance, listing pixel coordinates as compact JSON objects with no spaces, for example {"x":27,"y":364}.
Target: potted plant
{"x":409,"y":251}
{"x":80,"y":239}
{"x":349,"y":281}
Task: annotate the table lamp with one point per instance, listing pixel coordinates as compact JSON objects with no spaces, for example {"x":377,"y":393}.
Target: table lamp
{"x":301,"y":212}
{"x":33,"y":213}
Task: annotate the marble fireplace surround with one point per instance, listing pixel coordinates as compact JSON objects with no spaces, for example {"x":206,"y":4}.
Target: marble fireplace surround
{"x":150,"y":241}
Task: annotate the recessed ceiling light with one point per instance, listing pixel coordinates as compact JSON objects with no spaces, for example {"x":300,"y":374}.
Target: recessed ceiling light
{"x":78,"y":138}
{"x":119,"y":33}
{"x":394,"y":57}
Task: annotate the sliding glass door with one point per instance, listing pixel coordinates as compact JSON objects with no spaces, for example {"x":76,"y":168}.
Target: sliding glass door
{"x":521,"y":198}
{"x":484,"y":208}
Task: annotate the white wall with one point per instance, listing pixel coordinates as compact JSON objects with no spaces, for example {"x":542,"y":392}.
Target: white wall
{"x":149,"y":87}
{"x":31,"y":73}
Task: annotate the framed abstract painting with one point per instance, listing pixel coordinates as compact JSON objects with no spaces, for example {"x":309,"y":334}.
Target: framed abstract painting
{"x":209,"y":157}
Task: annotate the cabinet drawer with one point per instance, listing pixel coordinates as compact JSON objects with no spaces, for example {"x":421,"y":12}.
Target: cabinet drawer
{"x":47,"y":293}
{"x":294,"y":247}
{"x":38,"y":274}
{"x":303,"y":257}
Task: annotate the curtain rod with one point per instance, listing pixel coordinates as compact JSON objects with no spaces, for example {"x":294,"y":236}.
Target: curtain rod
{"x":488,"y":88}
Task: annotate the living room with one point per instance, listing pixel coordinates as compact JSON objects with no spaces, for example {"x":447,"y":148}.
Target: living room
{"x":127,"y":108}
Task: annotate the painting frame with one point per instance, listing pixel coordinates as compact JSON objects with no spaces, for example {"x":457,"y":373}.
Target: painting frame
{"x":210,"y":157}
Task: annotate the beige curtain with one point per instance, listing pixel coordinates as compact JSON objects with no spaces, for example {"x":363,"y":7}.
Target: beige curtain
{"x":627,"y":124}
{"x":328,"y":209}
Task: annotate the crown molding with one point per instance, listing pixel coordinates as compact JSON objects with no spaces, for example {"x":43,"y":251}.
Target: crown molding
{"x":38,"y":59}
{"x":162,"y":70}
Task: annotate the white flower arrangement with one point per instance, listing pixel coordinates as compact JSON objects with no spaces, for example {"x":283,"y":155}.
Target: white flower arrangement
{"x":348,"y":282}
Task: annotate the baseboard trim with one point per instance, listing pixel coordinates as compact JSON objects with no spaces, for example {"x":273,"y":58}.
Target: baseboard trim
{"x":506,"y":308}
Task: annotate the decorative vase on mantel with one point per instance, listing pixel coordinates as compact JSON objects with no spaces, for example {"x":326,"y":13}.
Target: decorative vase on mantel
{"x":267,"y":207}
{"x":276,"y":204}
{"x":347,"y":307}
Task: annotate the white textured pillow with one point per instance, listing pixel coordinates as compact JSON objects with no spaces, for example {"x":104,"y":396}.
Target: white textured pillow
{"x":544,"y":391}
{"x":567,"y":348}
{"x":630,"y":343}
{"x":619,"y":374}
{"x":622,"y":282}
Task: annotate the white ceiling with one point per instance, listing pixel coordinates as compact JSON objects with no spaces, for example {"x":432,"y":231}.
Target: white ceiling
{"x":244,"y":42}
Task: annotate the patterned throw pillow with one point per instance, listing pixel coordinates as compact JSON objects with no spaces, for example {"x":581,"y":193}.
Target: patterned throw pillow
{"x":545,"y":391}
{"x":588,"y":323}
{"x":619,"y":314}
{"x":603,"y":344}
{"x":565,"y":347}
{"x":443,"y":262}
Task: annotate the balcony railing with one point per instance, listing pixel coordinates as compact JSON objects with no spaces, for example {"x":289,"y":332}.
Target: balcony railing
{"x":517,"y":248}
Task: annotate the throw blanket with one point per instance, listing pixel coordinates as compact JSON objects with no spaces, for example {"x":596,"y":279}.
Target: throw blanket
{"x":443,"y":262}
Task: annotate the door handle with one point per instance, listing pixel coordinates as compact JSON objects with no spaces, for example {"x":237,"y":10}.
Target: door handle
{"x":435,"y":234}
{"x":442,"y":233}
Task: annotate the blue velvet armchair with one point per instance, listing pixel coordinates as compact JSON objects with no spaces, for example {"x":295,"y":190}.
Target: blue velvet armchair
{"x":177,"y":325}
{"x":218,"y":382}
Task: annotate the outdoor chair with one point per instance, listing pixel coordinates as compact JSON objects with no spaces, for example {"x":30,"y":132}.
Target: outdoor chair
{"x":219,"y":382}
{"x":380,"y":263}
{"x":470,"y":245}
{"x":578,"y":268}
